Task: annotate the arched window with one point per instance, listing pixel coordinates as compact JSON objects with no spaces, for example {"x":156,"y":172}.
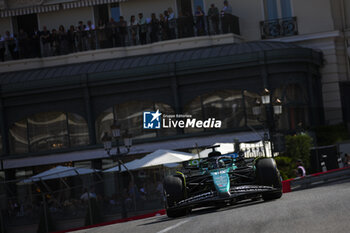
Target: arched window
{"x":225,"y":105}
{"x":19,"y":137}
{"x":78,"y":130}
{"x":130,"y":117}
{"x":47,"y":131}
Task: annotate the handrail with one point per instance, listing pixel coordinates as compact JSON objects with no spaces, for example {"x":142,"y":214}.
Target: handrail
{"x":116,"y":34}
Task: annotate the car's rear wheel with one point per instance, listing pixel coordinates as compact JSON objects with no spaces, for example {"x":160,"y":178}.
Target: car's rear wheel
{"x":268,"y":174}
{"x":174,"y":191}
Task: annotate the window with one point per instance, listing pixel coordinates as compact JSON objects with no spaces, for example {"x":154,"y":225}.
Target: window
{"x":197,"y":3}
{"x":271,"y":9}
{"x":195,"y":110}
{"x":78,"y":130}
{"x":295,"y":108}
{"x":130,"y":117}
{"x":19,"y":137}
{"x":115,"y":11}
{"x":286,"y":9}
{"x":275,"y":9}
{"x":250,"y":99}
{"x":47,"y":131}
{"x":225,"y":105}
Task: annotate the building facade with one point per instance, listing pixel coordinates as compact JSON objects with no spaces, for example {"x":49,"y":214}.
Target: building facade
{"x":55,"y":109}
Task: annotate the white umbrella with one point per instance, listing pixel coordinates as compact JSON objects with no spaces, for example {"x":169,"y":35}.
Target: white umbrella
{"x":57,"y":173}
{"x":158,"y":157}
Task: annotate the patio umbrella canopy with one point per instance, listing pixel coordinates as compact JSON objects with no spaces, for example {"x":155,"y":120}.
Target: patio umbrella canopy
{"x":158,"y":157}
{"x":57,"y":173}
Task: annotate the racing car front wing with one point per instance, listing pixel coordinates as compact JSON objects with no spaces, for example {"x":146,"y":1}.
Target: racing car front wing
{"x":235,"y":192}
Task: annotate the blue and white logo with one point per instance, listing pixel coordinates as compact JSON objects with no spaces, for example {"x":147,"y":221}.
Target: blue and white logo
{"x":151,"y":120}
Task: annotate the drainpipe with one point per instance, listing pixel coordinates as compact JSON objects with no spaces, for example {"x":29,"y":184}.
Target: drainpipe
{"x":346,"y":46}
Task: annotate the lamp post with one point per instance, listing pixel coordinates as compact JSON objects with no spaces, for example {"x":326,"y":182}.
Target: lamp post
{"x":271,"y":110}
{"x":108,"y":144}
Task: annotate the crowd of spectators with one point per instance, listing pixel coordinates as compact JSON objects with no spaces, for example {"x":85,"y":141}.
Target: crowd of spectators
{"x":138,"y":30}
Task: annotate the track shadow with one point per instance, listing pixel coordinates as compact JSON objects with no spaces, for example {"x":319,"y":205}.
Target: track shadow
{"x":206,"y":210}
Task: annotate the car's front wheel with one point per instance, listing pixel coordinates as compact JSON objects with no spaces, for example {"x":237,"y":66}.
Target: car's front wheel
{"x":174,"y":192}
{"x":268,"y":174}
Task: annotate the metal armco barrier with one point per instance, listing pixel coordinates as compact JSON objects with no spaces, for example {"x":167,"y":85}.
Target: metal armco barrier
{"x":149,"y":215}
{"x":315,"y":179}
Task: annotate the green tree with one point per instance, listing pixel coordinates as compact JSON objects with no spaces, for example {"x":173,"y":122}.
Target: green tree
{"x":286,"y":167}
{"x":298,"y":147}
{"x":331,"y":134}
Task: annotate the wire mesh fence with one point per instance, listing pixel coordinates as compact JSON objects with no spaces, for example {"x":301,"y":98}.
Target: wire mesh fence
{"x":76,"y":201}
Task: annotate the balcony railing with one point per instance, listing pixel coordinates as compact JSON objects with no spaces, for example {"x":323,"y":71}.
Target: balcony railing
{"x":279,"y":28}
{"x":115,"y":35}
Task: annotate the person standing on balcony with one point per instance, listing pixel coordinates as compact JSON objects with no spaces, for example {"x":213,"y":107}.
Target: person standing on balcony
{"x":45,"y":39}
{"x":199,"y":21}
{"x":133,"y":29}
{"x":111,"y":33}
{"x":163,"y":27}
{"x":55,"y":43}
{"x":122,"y":26}
{"x":91,"y":35}
{"x":71,"y":34}
{"x":227,"y":24}
{"x":23,"y":44}
{"x":63,"y":40}
{"x":171,"y":23}
{"x":10,"y":44}
{"x":213,"y":15}
{"x":35,"y":47}
{"x":154,"y":28}
{"x":142,"y":29}
{"x":166,"y":25}
{"x":81,"y":36}
{"x":101,"y":34}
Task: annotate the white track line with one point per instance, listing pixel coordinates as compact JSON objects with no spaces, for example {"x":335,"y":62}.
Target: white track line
{"x":174,"y":226}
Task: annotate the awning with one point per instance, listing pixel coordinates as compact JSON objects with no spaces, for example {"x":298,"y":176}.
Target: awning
{"x":176,"y":144}
{"x":29,"y":10}
{"x":54,"y":7}
{"x":157,"y":158}
{"x":85,"y":3}
{"x":57,"y":173}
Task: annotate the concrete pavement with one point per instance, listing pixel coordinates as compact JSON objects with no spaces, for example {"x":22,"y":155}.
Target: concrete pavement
{"x":321,"y":209}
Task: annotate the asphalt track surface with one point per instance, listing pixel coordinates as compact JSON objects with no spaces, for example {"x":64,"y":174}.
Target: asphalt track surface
{"x":321,"y":209}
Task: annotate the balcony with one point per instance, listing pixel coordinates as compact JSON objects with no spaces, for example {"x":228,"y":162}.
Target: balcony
{"x":114,"y":41}
{"x":278,"y":28}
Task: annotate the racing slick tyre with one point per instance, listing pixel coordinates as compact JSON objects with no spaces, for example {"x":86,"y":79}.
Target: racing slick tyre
{"x":174,"y":192}
{"x":268,"y":174}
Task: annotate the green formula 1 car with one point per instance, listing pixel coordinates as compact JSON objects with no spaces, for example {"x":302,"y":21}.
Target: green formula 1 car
{"x":220,"y":180}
